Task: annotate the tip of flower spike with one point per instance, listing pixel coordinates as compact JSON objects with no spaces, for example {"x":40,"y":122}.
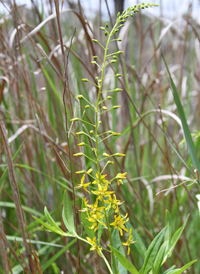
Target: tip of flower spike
{"x":85,"y":80}
{"x":91,"y":131}
{"x":115,"y":107}
{"x":106,"y":154}
{"x":110,"y":162}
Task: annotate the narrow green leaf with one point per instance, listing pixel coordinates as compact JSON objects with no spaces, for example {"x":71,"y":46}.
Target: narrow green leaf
{"x":25,"y":208}
{"x":190,"y":144}
{"x":174,"y":239}
{"x":3,"y":176}
{"x":51,"y":220}
{"x":182,"y":269}
{"x":160,"y":256}
{"x":124,"y":261}
{"x":53,"y":229}
{"x":139,"y":243}
{"x":168,"y":222}
{"x":118,"y":245}
{"x":177,"y":153}
{"x":67,"y":214}
{"x":152,"y":252}
{"x":19,"y":239}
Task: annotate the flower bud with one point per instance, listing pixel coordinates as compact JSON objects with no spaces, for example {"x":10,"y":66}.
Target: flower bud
{"x":80,"y":172}
{"x":94,"y":40}
{"x":74,"y":119}
{"x":89,"y":171}
{"x":79,"y":97}
{"x":78,"y":154}
{"x":81,"y":144}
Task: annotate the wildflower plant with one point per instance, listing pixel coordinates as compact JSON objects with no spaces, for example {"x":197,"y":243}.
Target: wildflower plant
{"x":104,"y":213}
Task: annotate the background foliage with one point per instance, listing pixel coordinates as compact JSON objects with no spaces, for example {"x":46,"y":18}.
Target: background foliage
{"x":42,"y":139}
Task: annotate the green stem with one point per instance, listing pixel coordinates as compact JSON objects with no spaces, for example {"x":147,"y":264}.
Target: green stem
{"x":96,"y":137}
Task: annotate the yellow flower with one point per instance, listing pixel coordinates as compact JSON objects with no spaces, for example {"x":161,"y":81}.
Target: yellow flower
{"x":119,"y":223}
{"x":95,"y":208}
{"x":94,"y":245}
{"x":130,"y":241}
{"x":101,"y":179}
{"x":120,"y":177}
{"x":113,"y":203}
{"x":102,"y":192}
{"x":96,"y":220}
{"x":82,"y":185}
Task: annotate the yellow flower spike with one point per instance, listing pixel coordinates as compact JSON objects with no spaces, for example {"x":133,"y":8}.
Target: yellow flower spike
{"x":94,"y":245}
{"x":129,"y":242}
{"x":91,"y":131}
{"x":119,"y":223}
{"x":82,"y":185}
{"x":106,"y":154}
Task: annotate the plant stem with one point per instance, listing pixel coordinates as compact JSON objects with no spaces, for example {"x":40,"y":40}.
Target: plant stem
{"x":96,"y":138}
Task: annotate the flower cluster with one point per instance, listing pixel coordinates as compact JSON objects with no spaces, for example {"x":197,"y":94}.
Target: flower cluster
{"x":105,"y":210}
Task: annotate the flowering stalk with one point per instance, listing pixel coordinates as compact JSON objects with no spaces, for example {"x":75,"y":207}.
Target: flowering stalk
{"x":106,"y":202}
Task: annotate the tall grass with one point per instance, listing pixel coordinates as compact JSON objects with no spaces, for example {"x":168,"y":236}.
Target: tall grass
{"x":42,"y":66}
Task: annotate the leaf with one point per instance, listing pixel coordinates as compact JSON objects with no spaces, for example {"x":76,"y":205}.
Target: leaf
{"x":152,"y":252}
{"x":182,"y":269}
{"x":190,"y":144}
{"x":174,"y":239}
{"x":168,"y":221}
{"x":118,"y":245}
{"x":3,"y":176}
{"x":139,"y":243}
{"x":177,"y":153}
{"x":51,"y":220}
{"x":53,"y":229}
{"x":67,"y":214}
{"x":160,"y":256}
{"x":124,"y":261}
